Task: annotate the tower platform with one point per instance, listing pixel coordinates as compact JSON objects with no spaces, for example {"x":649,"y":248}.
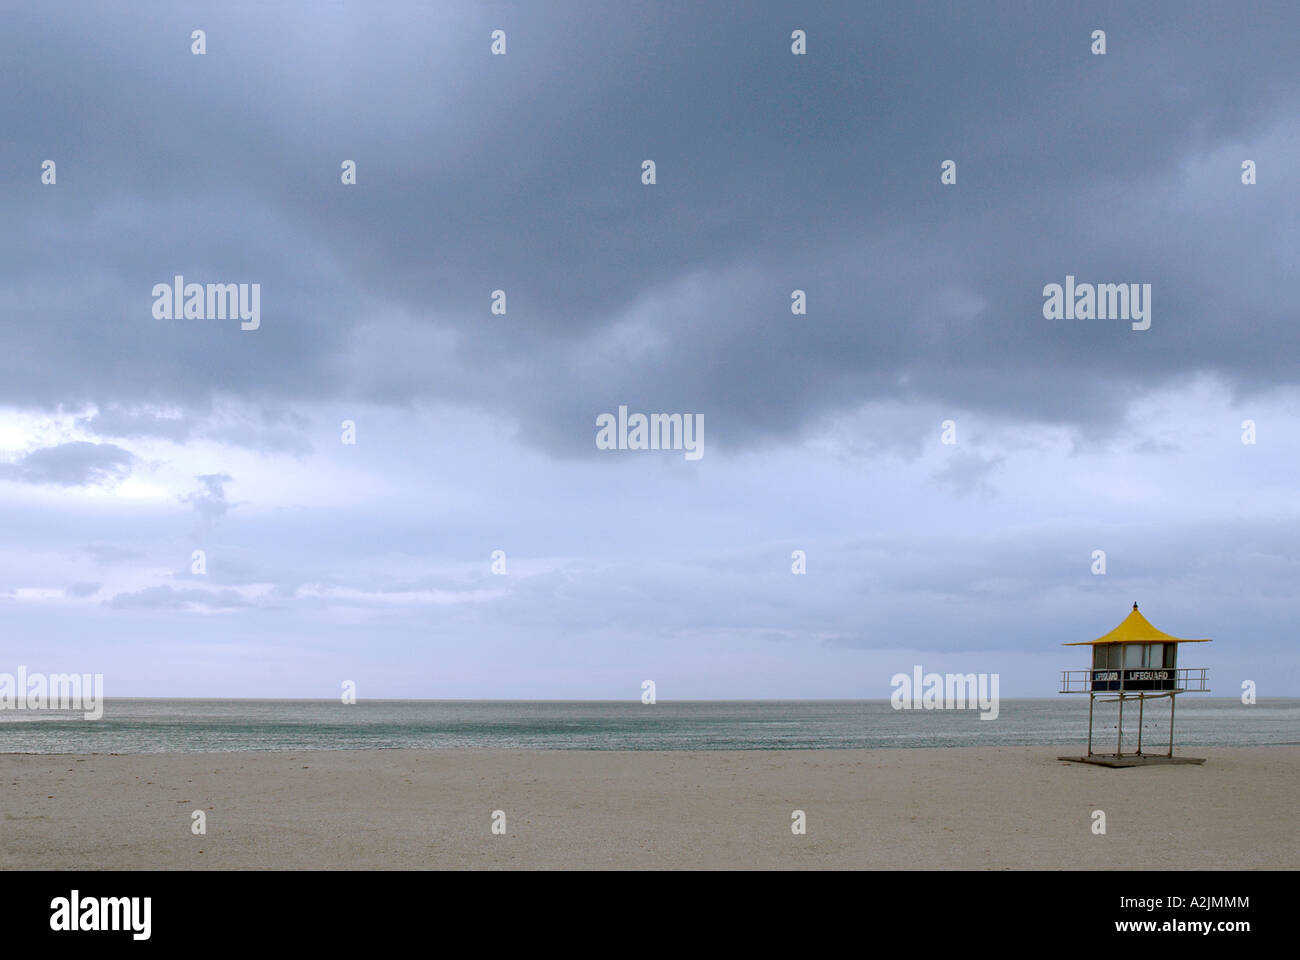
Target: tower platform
{"x":1130,"y":760}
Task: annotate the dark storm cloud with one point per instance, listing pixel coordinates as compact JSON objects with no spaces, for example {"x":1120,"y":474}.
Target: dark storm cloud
{"x":71,"y":465}
{"x":521,"y":173}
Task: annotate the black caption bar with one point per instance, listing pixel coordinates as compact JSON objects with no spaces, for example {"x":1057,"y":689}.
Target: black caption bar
{"x":905,"y":909}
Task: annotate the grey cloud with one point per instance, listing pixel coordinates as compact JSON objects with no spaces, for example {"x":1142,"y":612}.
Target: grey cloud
{"x":775,"y":172}
{"x":169,"y":598}
{"x":210,"y":502}
{"x":118,"y":421}
{"x":271,"y":428}
{"x":105,"y":554}
{"x":967,"y":473}
{"x":818,"y":173}
{"x":78,"y":463}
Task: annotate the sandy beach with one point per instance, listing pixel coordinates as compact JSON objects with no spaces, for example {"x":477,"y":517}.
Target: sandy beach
{"x":976,"y":808}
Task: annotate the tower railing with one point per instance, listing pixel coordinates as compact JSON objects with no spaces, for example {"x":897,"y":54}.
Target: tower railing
{"x":1137,"y":680}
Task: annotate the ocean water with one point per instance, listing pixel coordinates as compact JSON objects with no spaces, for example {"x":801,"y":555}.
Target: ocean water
{"x":146,"y":726}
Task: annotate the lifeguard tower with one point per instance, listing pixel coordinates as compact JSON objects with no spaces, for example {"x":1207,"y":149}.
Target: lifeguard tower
{"x":1135,"y":661}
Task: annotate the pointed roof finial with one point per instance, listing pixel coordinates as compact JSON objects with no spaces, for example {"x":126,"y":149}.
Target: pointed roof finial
{"x":1135,"y":604}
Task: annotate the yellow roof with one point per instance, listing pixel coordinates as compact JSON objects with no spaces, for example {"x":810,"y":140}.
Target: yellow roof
{"x":1135,"y":629}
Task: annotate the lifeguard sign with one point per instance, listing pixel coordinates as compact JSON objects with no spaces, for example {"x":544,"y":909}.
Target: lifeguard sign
{"x":1135,"y":661}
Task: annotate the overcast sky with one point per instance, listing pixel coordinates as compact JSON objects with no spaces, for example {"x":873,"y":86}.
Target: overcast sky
{"x":128,"y":442}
